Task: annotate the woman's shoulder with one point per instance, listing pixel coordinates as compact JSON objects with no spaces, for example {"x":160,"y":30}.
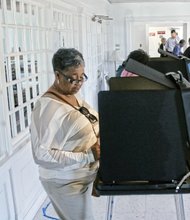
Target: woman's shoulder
{"x":45,"y":104}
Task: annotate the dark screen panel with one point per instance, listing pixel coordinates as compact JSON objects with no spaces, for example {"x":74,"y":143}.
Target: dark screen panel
{"x":166,"y":64}
{"x":131,"y":83}
{"x":141,"y":135}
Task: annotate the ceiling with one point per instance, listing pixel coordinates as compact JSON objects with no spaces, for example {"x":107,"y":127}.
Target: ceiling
{"x":143,"y":1}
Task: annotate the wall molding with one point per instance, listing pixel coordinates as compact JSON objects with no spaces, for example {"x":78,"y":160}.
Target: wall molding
{"x":165,"y":19}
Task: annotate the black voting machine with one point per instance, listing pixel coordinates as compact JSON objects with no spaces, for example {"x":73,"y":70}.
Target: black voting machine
{"x":144,"y":135}
{"x":169,"y":64}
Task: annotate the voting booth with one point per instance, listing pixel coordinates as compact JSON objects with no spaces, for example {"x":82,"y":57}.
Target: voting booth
{"x":144,"y":136}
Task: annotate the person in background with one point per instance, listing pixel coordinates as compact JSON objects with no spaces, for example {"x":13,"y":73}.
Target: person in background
{"x":163,"y":46}
{"x":138,"y":55}
{"x":65,"y":139}
{"x":172,"y":41}
{"x":187,"y":51}
{"x":177,"y":51}
{"x":120,"y":69}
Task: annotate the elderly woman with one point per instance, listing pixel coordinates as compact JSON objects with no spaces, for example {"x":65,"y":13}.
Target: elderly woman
{"x":64,"y":135}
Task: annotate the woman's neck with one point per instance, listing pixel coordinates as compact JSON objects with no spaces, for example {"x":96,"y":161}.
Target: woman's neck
{"x":64,"y":96}
{"x":56,"y":89}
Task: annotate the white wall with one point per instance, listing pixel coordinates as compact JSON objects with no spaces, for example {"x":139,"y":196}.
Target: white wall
{"x":132,"y":22}
{"x":21,"y":193}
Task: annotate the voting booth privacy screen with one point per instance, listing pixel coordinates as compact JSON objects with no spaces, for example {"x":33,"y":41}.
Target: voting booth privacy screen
{"x":143,"y":132}
{"x":142,"y":136}
{"x":168,"y":64}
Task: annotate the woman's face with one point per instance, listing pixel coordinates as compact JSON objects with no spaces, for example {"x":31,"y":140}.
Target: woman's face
{"x":67,"y":84}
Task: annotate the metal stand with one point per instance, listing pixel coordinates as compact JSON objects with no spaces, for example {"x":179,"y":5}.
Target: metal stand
{"x":178,"y":203}
{"x":179,"y":207}
{"x":110,"y":202}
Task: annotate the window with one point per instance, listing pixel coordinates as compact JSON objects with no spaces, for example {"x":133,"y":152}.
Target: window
{"x":22,"y":67}
{"x":37,"y":87}
{"x":5,"y":68}
{"x":22,"y":72}
{"x":17,"y":6}
{"x":8,"y":4}
{"x":25,"y":8}
{"x":26,"y":41}
{"x":36,"y":63}
{"x":18,"y":123}
{"x":13,"y":68}
{"x":24,"y":89}
{"x":33,"y":10}
{"x":32,"y":106}
{"x":15,"y":93}
{"x":26,"y":14}
{"x":25,"y":113}
{"x":29,"y":64}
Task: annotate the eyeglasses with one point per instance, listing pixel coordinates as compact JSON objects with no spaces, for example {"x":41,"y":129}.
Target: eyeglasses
{"x":92,"y":118}
{"x":75,"y":81}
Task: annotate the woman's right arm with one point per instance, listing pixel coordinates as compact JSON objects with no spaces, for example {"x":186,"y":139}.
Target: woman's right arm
{"x":60,"y":158}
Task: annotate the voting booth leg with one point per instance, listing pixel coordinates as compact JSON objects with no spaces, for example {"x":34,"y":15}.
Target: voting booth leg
{"x":109,"y":213}
{"x":179,"y":207}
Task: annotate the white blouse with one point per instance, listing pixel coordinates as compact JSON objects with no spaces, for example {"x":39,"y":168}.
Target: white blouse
{"x":61,"y":138}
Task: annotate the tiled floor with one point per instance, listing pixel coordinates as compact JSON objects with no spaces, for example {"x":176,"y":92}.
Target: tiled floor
{"x":99,"y":204}
{"x":149,"y":207}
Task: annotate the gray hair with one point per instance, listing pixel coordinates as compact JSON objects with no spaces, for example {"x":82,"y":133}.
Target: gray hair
{"x":66,"y":58}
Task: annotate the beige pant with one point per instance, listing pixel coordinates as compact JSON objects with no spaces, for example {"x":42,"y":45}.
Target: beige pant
{"x":71,"y":199}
